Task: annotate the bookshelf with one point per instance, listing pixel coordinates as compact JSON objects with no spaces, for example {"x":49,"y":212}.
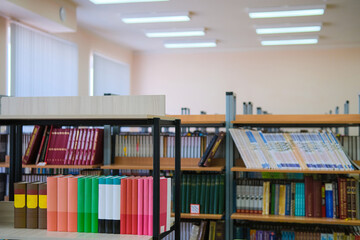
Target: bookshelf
{"x":63,"y":166}
{"x":216,"y":120}
{"x":4,"y":164}
{"x":17,"y":121}
{"x":201,"y":216}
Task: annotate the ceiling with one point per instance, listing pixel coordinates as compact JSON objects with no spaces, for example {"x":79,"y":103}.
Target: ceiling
{"x":227,"y":21}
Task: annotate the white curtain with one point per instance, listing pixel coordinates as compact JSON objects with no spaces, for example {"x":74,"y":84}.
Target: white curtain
{"x":41,"y":64}
{"x":110,"y":76}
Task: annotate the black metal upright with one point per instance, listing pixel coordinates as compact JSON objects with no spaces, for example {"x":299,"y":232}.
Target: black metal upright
{"x":156,"y":178}
{"x":18,"y":154}
{"x":12,"y":162}
{"x":177,"y":196}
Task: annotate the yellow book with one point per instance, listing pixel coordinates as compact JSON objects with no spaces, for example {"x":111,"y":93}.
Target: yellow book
{"x":282,"y":199}
{"x":212,"y":230}
{"x":266,"y":198}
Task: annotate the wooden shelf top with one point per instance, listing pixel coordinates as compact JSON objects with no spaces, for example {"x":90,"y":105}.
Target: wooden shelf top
{"x":187,"y":164}
{"x":4,"y":164}
{"x":63,"y":166}
{"x":199,"y":216}
{"x":242,"y":169}
{"x":292,"y":219}
{"x":217,"y":119}
{"x":301,"y":120}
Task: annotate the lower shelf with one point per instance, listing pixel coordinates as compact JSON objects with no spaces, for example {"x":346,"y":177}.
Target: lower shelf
{"x":63,"y":166}
{"x":4,"y":164}
{"x":200,"y":216}
{"x":292,"y":219}
{"x":7,"y":231}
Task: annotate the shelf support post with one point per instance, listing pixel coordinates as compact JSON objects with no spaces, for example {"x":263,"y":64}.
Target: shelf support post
{"x":230,"y":116}
{"x":177,"y":196}
{"x":156,"y":178}
{"x":12,"y":162}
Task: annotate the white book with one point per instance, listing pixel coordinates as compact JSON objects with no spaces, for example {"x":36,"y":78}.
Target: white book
{"x":109,"y":201}
{"x":102,"y":201}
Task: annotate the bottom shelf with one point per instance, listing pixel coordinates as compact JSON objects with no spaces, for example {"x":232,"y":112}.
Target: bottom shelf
{"x":292,"y":219}
{"x":199,"y":216}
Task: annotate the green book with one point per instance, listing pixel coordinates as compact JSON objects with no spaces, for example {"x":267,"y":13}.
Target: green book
{"x":272,"y":201}
{"x":212,"y":194}
{"x":207,"y":194}
{"x":87,"y":204}
{"x":193,"y":189}
{"x":221,"y":194}
{"x":183,"y":194}
{"x":216,"y":194}
{"x":81,"y":200}
{"x":94,"y":204}
{"x":202,"y":193}
{"x":188,"y":188}
{"x":198,"y":188}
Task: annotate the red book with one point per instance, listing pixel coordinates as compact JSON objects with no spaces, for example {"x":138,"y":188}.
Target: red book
{"x":342,"y":198}
{"x":353,"y":198}
{"x":89,"y":146}
{"x":348,"y":198}
{"x":150,"y":222}
{"x":33,"y":146}
{"x":78,"y":144}
{"x":163,"y":204}
{"x":82,"y":147}
{"x":123,"y":205}
{"x":317,"y":198}
{"x":146,"y":206}
{"x":134,"y":206}
{"x":68,"y":146}
{"x":73,"y":147}
{"x":57,"y":146}
{"x":309,"y":197}
{"x":323,"y":205}
{"x":47,"y":148}
{"x":129,"y":201}
{"x":52,"y":202}
{"x":97,"y":148}
{"x":89,"y":135}
{"x":42,"y":145}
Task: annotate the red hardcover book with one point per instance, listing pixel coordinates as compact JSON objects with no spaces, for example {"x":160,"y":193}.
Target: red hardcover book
{"x":123,"y":206}
{"x":348,"y":198}
{"x":342,"y":198}
{"x":86,"y":147}
{"x":72,"y":144}
{"x":317,"y":198}
{"x":68,"y":146}
{"x":163,"y":204}
{"x":309,"y":197}
{"x":57,"y":146}
{"x":74,"y":147}
{"x":129,"y":202}
{"x":82,"y":147}
{"x":323,"y":205}
{"x":33,"y":146}
{"x":42,"y":145}
{"x":78,"y":144}
{"x":47,"y":148}
{"x":98,"y":147}
{"x":134,"y":206}
{"x":353,"y":198}
{"x":89,"y":150}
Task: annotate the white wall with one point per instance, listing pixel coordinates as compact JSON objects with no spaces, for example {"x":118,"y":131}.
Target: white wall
{"x":281,"y":82}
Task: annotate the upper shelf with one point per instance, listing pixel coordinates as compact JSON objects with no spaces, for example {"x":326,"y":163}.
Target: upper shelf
{"x":319,"y":120}
{"x":217,"y":120}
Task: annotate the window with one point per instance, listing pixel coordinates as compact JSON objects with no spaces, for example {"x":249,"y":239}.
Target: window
{"x":41,"y":64}
{"x":109,"y":76}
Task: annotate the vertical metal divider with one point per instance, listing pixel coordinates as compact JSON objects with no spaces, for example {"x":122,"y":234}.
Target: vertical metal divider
{"x":346,"y":111}
{"x":156,"y":177}
{"x":359,"y":111}
{"x":337,"y":112}
{"x":12,"y":162}
{"x":107,"y":148}
{"x":177,"y":193}
{"x":18,"y":154}
{"x":230,"y":116}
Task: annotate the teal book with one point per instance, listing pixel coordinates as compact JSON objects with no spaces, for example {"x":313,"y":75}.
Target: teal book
{"x":94,"y":204}
{"x":216,"y":194}
{"x":207,"y":193}
{"x":198,"y":187}
{"x":221,"y":195}
{"x":193,"y":189}
{"x":81,"y":200}
{"x":202,"y":193}
{"x":212,"y":194}
{"x":183,"y":194}
{"x":188,"y":190}
{"x":87,"y":204}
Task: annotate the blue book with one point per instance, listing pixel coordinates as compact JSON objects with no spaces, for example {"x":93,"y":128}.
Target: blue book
{"x":302,"y":200}
{"x":297,"y":199}
{"x":272,"y":236}
{"x":329,"y":200}
{"x":288,"y":200}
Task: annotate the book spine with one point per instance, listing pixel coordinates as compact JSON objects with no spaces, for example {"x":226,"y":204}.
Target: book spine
{"x":62,"y":207}
{"x":317,"y":198}
{"x":52,"y":202}
{"x":109,"y":204}
{"x":81,"y":204}
{"x":102,"y":203}
{"x":329,"y":201}
{"x":32,"y":191}
{"x":309,"y":211}
{"x":87,"y":204}
{"x":72,"y":204}
{"x":42,"y":206}
{"x":140,"y":206}
{"x":95,"y":205}
{"x":20,"y":205}
{"x":33,"y":146}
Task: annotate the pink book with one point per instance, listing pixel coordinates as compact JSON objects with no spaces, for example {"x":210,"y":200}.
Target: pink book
{"x":140,"y":205}
{"x":163,"y":204}
{"x":134,"y":213}
{"x":150,"y":223}
{"x":128,"y":217}
{"x":123,"y":206}
{"x":52,"y":201}
{"x":146,"y":206}
{"x":72,"y":203}
{"x":62,"y":206}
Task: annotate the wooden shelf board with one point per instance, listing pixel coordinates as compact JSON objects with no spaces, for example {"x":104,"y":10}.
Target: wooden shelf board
{"x":242,"y":169}
{"x":199,"y":216}
{"x":292,"y":219}
{"x":188,"y":164}
{"x":63,"y":166}
{"x":200,"y":119}
{"x":4,"y":164}
{"x":320,"y":119}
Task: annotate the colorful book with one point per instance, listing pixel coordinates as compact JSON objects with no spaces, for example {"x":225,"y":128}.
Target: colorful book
{"x":52,"y":203}
{"x":62,"y":204}
{"x":109,"y":205}
{"x":72,"y":203}
{"x":81,"y":205}
{"x":94,"y":213}
{"x":33,"y":146}
{"x":116,"y":204}
{"x":42,"y":223}
{"x":20,"y":205}
{"x":32,"y":204}
{"x":102,"y":203}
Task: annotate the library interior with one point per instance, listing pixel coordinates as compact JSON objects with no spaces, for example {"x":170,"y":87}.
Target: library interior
{"x":180,"y":119}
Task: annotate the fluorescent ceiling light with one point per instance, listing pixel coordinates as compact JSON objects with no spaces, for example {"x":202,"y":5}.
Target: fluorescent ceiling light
{"x":190,"y":32}
{"x":123,"y":1}
{"x":157,"y":17}
{"x":290,"y":41}
{"x":288,"y":28}
{"x":190,"y":44}
{"x":295,"y":11}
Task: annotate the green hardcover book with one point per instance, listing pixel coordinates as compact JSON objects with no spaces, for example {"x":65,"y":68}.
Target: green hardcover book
{"x":193,"y":189}
{"x":94,"y":204}
{"x":272,"y":201}
{"x":81,"y":200}
{"x":212,"y":194}
{"x":188,"y":189}
{"x":202,"y":193}
{"x":207,"y":194}
{"x":183,"y":193}
{"x":221,"y":194}
{"x":87,"y":204}
{"x":198,"y":188}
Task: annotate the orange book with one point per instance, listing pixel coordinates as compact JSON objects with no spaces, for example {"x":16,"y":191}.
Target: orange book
{"x":72,"y":204}
{"x":52,"y":200}
{"x":134,"y":207}
{"x":62,"y":206}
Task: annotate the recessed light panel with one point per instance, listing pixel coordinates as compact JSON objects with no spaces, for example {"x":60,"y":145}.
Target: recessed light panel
{"x":190,"y":44}
{"x":191,"y":32}
{"x":295,"y":11}
{"x":290,"y":41}
{"x":156,"y":17}
{"x":123,"y":1}
{"x":288,"y":28}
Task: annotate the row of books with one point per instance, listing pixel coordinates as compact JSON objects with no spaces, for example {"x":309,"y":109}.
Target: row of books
{"x":200,"y":230}
{"x":351,"y":146}
{"x":256,"y":231}
{"x":64,"y":146}
{"x":55,"y":171}
{"x":34,"y":177}
{"x":206,"y":190}
{"x":106,"y":204}
{"x":313,"y":197}
{"x":315,"y":151}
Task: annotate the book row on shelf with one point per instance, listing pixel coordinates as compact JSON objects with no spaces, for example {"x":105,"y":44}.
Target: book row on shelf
{"x":351,"y":146}
{"x":327,"y":196}
{"x":205,"y":190}
{"x":65,"y":146}
{"x":92,"y":204}
{"x":268,"y":231}
{"x":313,"y":151}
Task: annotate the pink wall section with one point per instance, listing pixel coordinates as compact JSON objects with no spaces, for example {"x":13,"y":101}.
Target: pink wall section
{"x":303,"y":81}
